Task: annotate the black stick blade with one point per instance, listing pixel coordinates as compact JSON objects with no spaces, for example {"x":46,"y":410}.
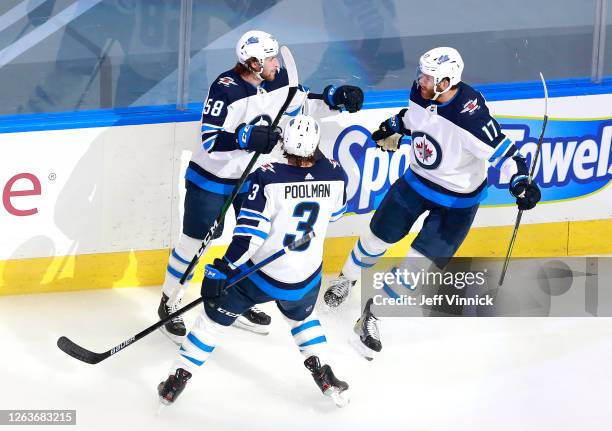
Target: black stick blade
{"x":78,"y":352}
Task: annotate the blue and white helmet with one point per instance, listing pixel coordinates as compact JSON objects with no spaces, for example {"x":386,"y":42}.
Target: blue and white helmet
{"x":301,"y":136}
{"x":257,"y":44}
{"x":440,"y":63}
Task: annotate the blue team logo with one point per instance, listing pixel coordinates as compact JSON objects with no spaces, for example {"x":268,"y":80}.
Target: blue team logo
{"x":442,"y":59}
{"x":252,"y":39}
{"x":426,"y":150}
{"x":575,"y":161}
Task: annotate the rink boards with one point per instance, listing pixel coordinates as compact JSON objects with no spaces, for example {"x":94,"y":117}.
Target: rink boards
{"x":94,"y":207}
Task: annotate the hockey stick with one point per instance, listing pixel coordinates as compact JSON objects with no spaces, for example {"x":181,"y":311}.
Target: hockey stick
{"x":529,"y":179}
{"x":82,"y":354}
{"x":293,"y":86}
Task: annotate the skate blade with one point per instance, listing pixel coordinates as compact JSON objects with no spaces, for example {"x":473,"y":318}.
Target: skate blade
{"x":363,"y":350}
{"x":340,"y":398}
{"x":251,"y":327}
{"x":176,"y":339}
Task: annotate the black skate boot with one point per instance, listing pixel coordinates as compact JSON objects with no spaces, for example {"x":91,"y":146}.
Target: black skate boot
{"x":338,"y":291}
{"x":169,"y":390}
{"x":367,"y":329}
{"x":175,"y":328}
{"x":254,"y":320}
{"x":327,"y":382}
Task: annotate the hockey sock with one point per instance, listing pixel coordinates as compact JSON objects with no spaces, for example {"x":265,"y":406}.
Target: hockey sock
{"x":179,"y":259}
{"x":416,"y":263}
{"x":309,"y":337}
{"x":198,"y":344}
{"x":365,"y":253}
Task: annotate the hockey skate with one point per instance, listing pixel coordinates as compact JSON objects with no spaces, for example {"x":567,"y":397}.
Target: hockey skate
{"x":170,"y":389}
{"x":338,"y":291}
{"x":254,"y":320}
{"x":366,"y":328}
{"x":327,"y":382}
{"x":175,"y":328}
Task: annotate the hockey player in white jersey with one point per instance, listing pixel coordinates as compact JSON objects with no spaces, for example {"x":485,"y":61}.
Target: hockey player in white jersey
{"x":283,"y":203}
{"x":240,"y":106}
{"x":454,"y":142}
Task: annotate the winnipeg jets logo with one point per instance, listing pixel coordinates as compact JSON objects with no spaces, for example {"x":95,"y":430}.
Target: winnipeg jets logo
{"x":267,"y":167}
{"x":227,"y":81}
{"x":427,"y":151}
{"x":442,"y":59}
{"x":424,"y":150}
{"x":470,"y":106}
{"x":334,"y":163}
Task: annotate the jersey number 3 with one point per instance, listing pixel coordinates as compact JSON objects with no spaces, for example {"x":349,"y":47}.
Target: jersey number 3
{"x":308,"y":210}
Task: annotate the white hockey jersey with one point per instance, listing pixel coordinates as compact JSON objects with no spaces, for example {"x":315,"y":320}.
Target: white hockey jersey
{"x":453,"y":145}
{"x":282,"y":204}
{"x":218,"y":163}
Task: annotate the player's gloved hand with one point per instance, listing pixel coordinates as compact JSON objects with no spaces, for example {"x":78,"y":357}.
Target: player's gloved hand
{"x":527,"y":194}
{"x":348,"y":97}
{"x":261,"y":139}
{"x":215,"y":279}
{"x":390,"y":132}
{"x":390,"y":143}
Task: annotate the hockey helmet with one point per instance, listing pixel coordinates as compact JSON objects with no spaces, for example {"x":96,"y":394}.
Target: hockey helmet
{"x":301,"y":136}
{"x":440,"y":63}
{"x":257,"y":44}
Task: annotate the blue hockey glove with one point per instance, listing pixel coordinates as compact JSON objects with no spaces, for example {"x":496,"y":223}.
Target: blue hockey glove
{"x":261,"y":139}
{"x":527,"y":194}
{"x":390,"y":127}
{"x":348,"y":97}
{"x":215,"y":279}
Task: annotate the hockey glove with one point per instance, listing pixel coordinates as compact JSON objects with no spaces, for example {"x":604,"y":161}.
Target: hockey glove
{"x":215,"y":279}
{"x":389,"y":144}
{"x":392,"y":126}
{"x":527,"y":194}
{"x":348,"y":97}
{"x":261,"y":139}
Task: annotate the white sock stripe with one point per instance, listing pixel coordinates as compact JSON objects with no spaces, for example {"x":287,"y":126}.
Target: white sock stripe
{"x":194,"y":351}
{"x":308,"y":334}
{"x":372,"y":244}
{"x":207,"y":329}
{"x":177,"y":264}
{"x":363,"y":258}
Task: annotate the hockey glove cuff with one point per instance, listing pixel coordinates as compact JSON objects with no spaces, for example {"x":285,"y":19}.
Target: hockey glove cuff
{"x":215,"y":279}
{"x":261,"y":139}
{"x":390,"y":127}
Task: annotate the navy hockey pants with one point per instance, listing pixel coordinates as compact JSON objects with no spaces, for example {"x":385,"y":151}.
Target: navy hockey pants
{"x":241,"y":297}
{"x":202,"y":208}
{"x":444,"y":228}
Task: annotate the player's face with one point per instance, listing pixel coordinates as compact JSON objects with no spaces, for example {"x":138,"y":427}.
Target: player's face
{"x":426,"y":86}
{"x":270,"y":69}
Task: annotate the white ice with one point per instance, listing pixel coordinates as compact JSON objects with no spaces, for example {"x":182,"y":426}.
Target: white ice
{"x":433,"y":373}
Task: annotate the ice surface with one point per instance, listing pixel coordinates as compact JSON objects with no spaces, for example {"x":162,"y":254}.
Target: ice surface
{"x":433,"y":373}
